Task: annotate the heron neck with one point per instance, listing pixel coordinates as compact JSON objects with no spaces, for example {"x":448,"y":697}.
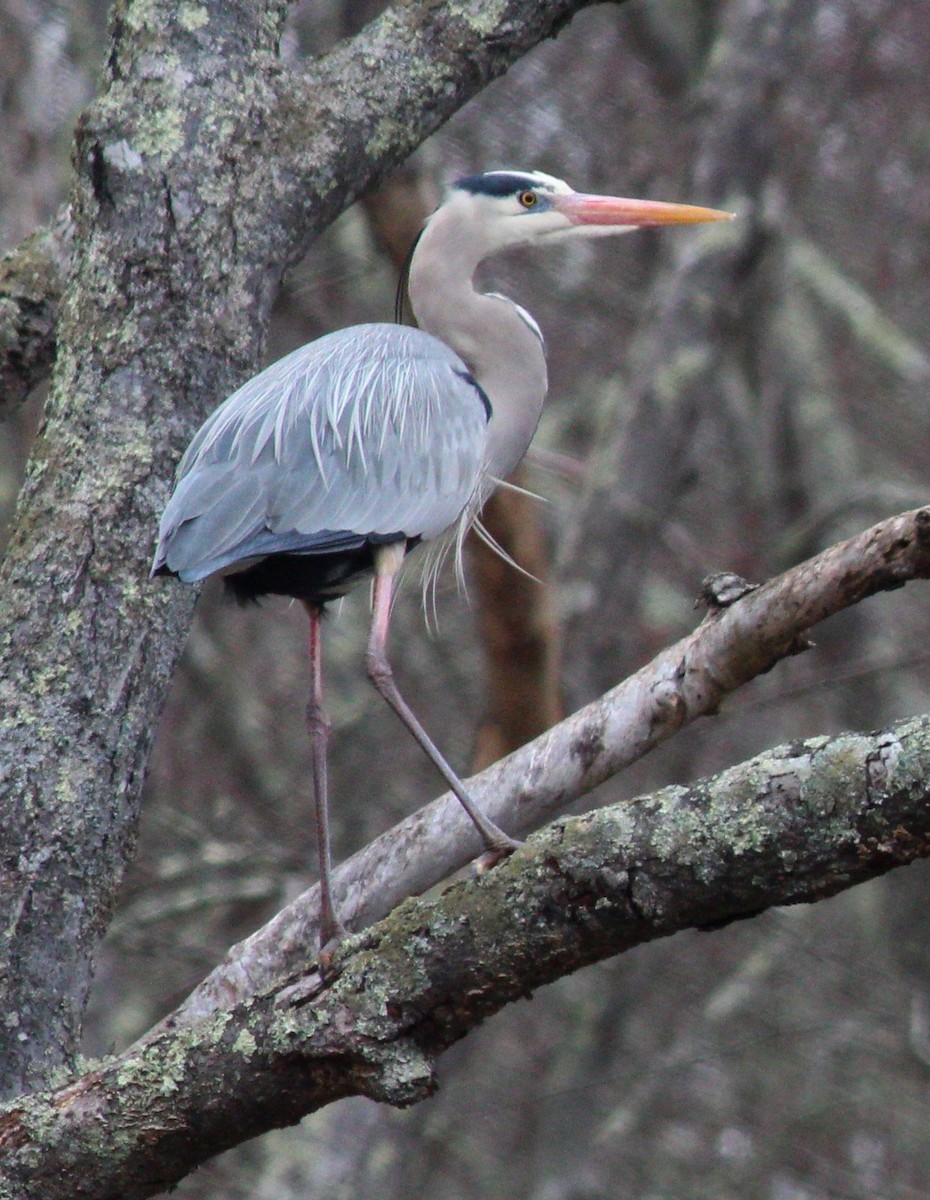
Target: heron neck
{"x":503,"y":353}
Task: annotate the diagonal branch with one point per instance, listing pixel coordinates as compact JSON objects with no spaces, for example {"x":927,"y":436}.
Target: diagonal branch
{"x":688,"y":680}
{"x":792,"y":826}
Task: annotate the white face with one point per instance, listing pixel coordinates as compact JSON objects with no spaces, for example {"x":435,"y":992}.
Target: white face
{"x":511,"y":208}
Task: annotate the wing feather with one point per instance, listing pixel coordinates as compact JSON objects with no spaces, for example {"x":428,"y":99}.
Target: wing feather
{"x":377,"y":429}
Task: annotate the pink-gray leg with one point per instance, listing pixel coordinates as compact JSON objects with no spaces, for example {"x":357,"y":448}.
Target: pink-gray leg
{"x":387,"y":563}
{"x":318,"y":727}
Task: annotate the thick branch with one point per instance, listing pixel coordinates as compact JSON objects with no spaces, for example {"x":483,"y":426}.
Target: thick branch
{"x":688,"y":680}
{"x":792,"y":826}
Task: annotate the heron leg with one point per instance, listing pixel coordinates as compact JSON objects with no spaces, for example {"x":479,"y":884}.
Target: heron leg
{"x":318,"y":727}
{"x":387,"y":563}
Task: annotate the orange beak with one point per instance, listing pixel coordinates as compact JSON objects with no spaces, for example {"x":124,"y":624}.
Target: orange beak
{"x":633,"y":214}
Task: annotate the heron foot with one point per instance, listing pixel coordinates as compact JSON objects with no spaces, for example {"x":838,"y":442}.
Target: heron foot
{"x":332,"y":935}
{"x":501,"y":848}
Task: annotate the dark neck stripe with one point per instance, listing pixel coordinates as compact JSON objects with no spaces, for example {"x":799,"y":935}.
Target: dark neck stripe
{"x":482,"y":394}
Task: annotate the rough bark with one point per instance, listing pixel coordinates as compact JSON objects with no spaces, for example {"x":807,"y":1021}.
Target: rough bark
{"x":794,"y":825}
{"x":202,"y":169}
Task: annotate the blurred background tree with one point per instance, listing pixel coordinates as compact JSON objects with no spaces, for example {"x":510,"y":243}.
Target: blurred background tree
{"x":787,"y":1057}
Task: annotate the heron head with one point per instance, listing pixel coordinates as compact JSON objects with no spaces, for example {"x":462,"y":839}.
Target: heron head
{"x":511,"y":208}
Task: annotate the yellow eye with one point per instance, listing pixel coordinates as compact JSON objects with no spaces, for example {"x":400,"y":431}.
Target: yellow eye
{"x":527,"y":199}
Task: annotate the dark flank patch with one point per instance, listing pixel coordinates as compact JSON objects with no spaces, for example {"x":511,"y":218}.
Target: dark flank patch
{"x":503,"y":183}
{"x":314,"y":578}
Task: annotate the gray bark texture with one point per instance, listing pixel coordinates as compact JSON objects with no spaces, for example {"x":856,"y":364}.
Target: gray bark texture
{"x":202,"y":169}
{"x":794,"y":825}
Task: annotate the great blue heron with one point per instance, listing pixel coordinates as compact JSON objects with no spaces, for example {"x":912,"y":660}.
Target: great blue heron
{"x":334,"y":462}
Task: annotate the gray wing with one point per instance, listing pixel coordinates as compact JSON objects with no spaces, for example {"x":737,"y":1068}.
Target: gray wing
{"x":376,"y":429}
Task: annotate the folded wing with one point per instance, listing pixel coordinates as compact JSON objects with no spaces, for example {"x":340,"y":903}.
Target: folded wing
{"x":369,"y":433}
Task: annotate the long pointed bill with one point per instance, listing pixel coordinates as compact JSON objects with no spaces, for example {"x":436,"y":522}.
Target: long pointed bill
{"x":632,"y":214}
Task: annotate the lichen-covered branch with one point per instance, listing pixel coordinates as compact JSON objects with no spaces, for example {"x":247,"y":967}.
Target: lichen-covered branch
{"x":792,"y":826}
{"x":686,"y":681}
